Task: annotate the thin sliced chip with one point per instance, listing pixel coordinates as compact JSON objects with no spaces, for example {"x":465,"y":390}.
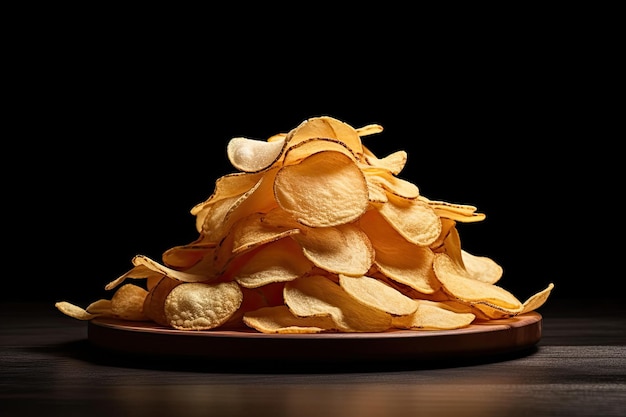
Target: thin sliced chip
{"x":279,"y":319}
{"x":385,"y":180}
{"x":327,"y":127}
{"x":186,"y":256}
{"x":325,"y":189}
{"x":374,"y":293}
{"x":255,"y":230}
{"x":251,"y":155}
{"x":413,"y":219}
{"x":460,"y":212}
{"x":74,"y":311}
{"x":228,"y":186}
{"x":538,"y":299}
{"x":198,"y":306}
{"x":317,"y":296}
{"x":170,"y":272}
{"x":398,"y":259}
{"x":394,"y":163}
{"x":370,"y":129}
{"x":343,"y":249}
{"x":432,"y":315}
{"x":127,"y":302}
{"x":102,"y":306}
{"x":278,"y":261}
{"x":301,"y":150}
{"x":482,"y":268}
{"x":457,"y":282}
{"x":154,"y":304}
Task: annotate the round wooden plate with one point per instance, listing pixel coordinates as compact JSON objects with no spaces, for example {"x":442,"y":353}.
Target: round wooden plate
{"x":484,"y":339}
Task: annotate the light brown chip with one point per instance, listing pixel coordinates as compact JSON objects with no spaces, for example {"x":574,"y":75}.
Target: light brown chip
{"x":316,"y":295}
{"x":74,"y":311}
{"x":257,"y":229}
{"x":127,"y":302}
{"x":415,"y":220}
{"x":343,"y":249}
{"x":325,"y":189}
{"x":374,"y":293}
{"x":432,"y":315}
{"x":538,"y":299}
{"x":154,"y":304}
{"x":101,"y":306}
{"x":279,"y":319}
{"x":397,"y":258}
{"x":457,"y":282}
{"x":278,"y":261}
{"x":198,"y":306}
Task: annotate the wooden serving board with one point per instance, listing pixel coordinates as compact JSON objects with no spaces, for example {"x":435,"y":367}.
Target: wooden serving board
{"x":477,"y":340}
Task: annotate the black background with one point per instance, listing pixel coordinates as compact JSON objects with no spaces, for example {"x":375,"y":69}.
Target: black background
{"x":119,"y":129}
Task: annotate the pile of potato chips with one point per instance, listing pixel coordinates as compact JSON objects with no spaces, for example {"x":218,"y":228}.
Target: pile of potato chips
{"x":314,"y":233}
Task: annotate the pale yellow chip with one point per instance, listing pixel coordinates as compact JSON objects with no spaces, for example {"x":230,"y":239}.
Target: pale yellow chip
{"x":374,"y":293}
{"x":537,"y":300}
{"x":415,"y":220}
{"x":257,"y":229}
{"x":325,"y":189}
{"x":343,"y":249}
{"x":127,"y":302}
{"x":464,"y":213}
{"x":278,"y":319}
{"x":432,"y":315}
{"x":397,"y":258}
{"x":74,"y":311}
{"x":394,"y":163}
{"x":278,"y":261}
{"x":331,"y":128}
{"x":482,"y":268}
{"x":251,"y":155}
{"x":316,"y":295}
{"x":457,"y":282}
{"x":383,"y":179}
{"x":198,"y":306}
{"x":301,"y":150}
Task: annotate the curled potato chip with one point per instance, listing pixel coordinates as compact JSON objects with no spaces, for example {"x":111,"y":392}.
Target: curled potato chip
{"x":198,"y":306}
{"x":127,"y":302}
{"x":325,"y":189}
{"x":75,"y":311}
{"x":154,"y":303}
{"x":394,"y":163}
{"x":279,"y":319}
{"x":460,"y":212}
{"x":538,"y":299}
{"x":482,"y":268}
{"x":397,"y":258}
{"x":301,"y":150}
{"x":251,"y":155}
{"x":415,"y":220}
{"x":343,"y":249}
{"x":316,"y":295}
{"x":376,"y":294}
{"x":432,"y":315}
{"x":278,"y":261}
{"x":331,"y":128}
{"x":457,"y":282}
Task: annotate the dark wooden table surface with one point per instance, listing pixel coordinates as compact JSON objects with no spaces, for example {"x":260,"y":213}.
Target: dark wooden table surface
{"x":578,"y":368}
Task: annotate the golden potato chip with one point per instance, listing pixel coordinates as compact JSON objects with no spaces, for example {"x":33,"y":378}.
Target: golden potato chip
{"x":258,"y":229}
{"x":370,"y":129}
{"x":482,"y":268}
{"x":457,"y":282}
{"x":383,"y":179}
{"x":186,"y":256}
{"x":279,"y":319}
{"x":415,"y":220}
{"x":344,"y":249}
{"x":432,"y":315}
{"x":317,"y":296}
{"x":398,"y":259}
{"x":101,"y":306}
{"x":301,"y":150}
{"x":394,"y":163}
{"x":325,"y":189}
{"x":159,"y":268}
{"x":127,"y":302}
{"x":278,"y":261}
{"x":198,"y":306}
{"x":154,"y":303}
{"x":331,"y":128}
{"x":74,"y":311}
{"x":538,"y":299}
{"x":374,"y":293}
{"x":251,"y":155}
{"x":460,"y":212}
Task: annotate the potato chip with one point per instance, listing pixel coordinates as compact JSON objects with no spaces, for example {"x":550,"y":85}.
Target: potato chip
{"x":398,"y":259}
{"x":257,"y":229}
{"x":251,"y":155}
{"x":343,"y":249}
{"x":415,"y":220}
{"x":74,"y":311}
{"x":331,"y":128}
{"x":387,"y":182}
{"x":394,"y":163}
{"x":317,"y":296}
{"x":538,"y":299}
{"x":370,"y":129}
{"x":482,"y":268}
{"x":301,"y":150}
{"x":374,"y":293}
{"x":154,"y":303}
{"x":198,"y":306}
{"x":325,"y":189}
{"x":432,"y":315}
{"x":278,"y":261}
{"x":279,"y":319}
{"x":460,"y":212}
{"x":127,"y":302}
{"x":457,"y":282}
